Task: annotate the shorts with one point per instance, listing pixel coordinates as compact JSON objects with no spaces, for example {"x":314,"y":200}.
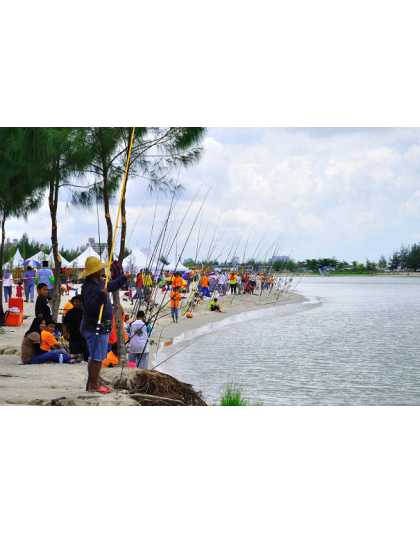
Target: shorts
{"x":100,"y":347}
{"x":174,"y":313}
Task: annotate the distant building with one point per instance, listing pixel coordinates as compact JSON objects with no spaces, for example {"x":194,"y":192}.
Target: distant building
{"x":236,"y":259}
{"x":279,"y":258}
{"x":42,"y":246}
{"x":98,"y":248}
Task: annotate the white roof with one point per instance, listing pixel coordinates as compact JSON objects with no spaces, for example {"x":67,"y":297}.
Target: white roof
{"x":173,"y":266}
{"x":64,"y":263}
{"x":15,"y":261}
{"x":136,"y":260}
{"x":80,"y":261}
{"x":39,"y":257}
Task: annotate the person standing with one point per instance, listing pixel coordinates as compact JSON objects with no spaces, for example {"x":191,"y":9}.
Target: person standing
{"x":94,"y":296}
{"x":232,"y":280}
{"x":29,"y":283}
{"x":139,"y":343}
{"x":45,"y":274}
{"x":7,"y":284}
{"x":175,"y":298}
{"x":205,"y":286}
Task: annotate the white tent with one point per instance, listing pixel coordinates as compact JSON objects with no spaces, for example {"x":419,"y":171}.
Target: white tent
{"x":136,"y":261}
{"x":15,"y":261}
{"x":80,"y":261}
{"x":105,"y":257}
{"x":40,"y":256}
{"x":173,"y":266}
{"x":64,"y":263}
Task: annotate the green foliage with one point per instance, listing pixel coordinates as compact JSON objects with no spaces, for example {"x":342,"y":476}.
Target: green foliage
{"x":233,"y":397}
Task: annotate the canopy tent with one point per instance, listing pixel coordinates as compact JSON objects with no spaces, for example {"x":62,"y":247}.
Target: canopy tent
{"x":15,"y":261}
{"x":105,"y":257}
{"x":173,"y":266}
{"x":65,"y":264}
{"x":136,"y":261}
{"x":39,"y":257}
{"x":80,"y":261}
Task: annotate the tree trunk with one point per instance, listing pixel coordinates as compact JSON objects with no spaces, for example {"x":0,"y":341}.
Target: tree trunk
{"x":107,"y":216}
{"x":53,"y":205}
{"x":3,"y":236}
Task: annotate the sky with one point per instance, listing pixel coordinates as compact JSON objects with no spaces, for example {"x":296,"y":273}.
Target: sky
{"x":349,"y":193}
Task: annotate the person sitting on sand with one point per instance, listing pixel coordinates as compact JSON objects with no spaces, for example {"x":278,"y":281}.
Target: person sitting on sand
{"x":71,"y":328}
{"x":214,"y":306}
{"x":31,"y":350}
{"x":175,"y":298}
{"x":48,"y":341}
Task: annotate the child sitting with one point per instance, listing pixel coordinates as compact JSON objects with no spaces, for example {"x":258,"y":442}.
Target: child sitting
{"x":48,"y":341}
{"x":214,"y":306}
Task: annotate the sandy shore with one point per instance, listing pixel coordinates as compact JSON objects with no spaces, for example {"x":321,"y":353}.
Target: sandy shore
{"x":65,"y":384}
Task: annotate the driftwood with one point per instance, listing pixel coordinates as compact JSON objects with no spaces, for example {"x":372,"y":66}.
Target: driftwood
{"x":154,"y":398}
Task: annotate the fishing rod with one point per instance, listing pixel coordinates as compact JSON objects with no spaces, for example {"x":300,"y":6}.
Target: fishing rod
{"x":185,"y":244}
{"x":285,"y":263}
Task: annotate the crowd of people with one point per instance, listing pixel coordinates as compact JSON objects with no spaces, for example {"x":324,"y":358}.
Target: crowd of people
{"x":85,"y":338}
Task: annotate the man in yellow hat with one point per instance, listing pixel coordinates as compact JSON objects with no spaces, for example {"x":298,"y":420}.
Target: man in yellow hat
{"x":94,"y":295}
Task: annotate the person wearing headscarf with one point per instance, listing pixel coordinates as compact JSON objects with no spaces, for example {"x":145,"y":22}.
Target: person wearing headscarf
{"x":31,"y":346}
{"x":7,"y":284}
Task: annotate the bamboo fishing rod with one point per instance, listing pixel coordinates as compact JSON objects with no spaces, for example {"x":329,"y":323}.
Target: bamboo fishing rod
{"x":98,"y":327}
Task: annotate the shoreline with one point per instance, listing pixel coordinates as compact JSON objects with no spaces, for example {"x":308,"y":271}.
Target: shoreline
{"x":65,"y":384}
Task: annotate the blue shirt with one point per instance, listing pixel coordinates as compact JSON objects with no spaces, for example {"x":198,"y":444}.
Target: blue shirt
{"x":44,"y":276}
{"x":93,"y":297}
{"x":30,"y":278}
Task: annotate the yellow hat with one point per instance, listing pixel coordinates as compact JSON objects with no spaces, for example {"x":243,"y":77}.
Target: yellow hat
{"x":92,"y":265}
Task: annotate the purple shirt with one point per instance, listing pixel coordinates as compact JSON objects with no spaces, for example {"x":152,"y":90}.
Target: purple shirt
{"x":30,"y":278}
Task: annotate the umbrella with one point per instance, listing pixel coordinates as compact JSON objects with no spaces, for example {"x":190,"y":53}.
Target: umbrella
{"x":31,"y":263}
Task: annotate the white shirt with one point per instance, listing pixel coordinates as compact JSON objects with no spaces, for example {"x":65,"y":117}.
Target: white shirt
{"x":8,"y":282}
{"x":238,"y":279}
{"x":138,"y":341}
{"x":222,"y":279}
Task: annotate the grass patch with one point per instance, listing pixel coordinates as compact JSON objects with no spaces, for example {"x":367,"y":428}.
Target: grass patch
{"x":233,"y":396}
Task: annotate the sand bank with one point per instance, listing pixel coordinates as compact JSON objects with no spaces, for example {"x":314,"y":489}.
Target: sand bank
{"x":43,"y":384}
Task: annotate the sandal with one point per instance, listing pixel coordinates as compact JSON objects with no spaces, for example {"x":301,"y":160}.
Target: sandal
{"x":102,"y":389}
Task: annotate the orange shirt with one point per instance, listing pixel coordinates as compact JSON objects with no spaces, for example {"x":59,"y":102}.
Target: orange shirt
{"x":110,"y":358}
{"x":47,"y":339}
{"x":204,"y":281}
{"x":175,"y":298}
{"x":177,"y":282}
{"x":67,"y":306}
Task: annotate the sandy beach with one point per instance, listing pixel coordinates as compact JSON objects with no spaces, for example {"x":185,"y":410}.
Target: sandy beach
{"x":65,"y":384}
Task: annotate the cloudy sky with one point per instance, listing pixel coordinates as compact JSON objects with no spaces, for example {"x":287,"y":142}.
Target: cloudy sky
{"x":352,"y":193}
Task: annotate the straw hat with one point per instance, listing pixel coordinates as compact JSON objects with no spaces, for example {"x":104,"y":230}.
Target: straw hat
{"x":92,"y":265}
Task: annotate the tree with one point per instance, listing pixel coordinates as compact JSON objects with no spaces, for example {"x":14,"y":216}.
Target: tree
{"x":62,"y":158}
{"x":17,"y":179}
{"x":394,"y":261}
{"x":382,"y":262}
{"x":354,"y":263}
{"x":155,"y":154}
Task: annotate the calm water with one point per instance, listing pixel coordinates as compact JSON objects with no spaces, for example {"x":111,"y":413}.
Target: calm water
{"x":355,"y":343}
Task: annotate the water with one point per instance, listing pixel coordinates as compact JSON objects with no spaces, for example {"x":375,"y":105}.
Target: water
{"x":356,"y":342}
